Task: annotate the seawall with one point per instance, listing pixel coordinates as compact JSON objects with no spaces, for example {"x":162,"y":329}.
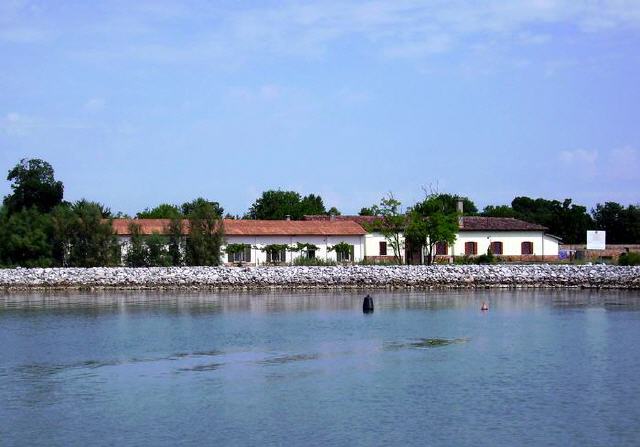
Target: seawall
{"x":438,"y":276}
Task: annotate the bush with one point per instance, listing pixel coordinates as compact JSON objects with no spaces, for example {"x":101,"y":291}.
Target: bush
{"x":312,"y":261}
{"x":391,"y":261}
{"x":630,"y":258}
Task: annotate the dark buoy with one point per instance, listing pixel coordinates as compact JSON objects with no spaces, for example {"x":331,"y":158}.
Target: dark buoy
{"x":484,"y":307}
{"x":367,"y":305}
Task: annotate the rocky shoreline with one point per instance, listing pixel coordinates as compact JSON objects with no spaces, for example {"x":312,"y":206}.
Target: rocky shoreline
{"x":440,"y":276}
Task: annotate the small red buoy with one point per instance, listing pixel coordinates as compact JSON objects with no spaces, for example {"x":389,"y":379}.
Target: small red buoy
{"x":485,"y":306}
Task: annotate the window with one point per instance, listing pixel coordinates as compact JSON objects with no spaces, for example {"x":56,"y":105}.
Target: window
{"x":243,"y":255}
{"x":526,"y":248}
{"x":311,"y":254}
{"x":276,"y":256}
{"x":496,"y":248}
{"x":345,"y":255}
{"x":470,"y":248}
{"x":442,"y":248}
{"x":383,"y":249}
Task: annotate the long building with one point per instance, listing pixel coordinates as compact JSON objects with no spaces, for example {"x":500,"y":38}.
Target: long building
{"x":349,"y":239}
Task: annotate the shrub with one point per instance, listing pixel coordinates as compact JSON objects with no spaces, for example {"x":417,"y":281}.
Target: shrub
{"x":391,"y":261}
{"x":630,"y":258}
{"x":312,"y":261}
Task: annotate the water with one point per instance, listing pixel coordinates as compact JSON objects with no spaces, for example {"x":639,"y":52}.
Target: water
{"x":426,"y":368}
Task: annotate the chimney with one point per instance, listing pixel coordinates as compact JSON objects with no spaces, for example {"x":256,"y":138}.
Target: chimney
{"x":287,"y":217}
{"x":460,"y":213}
{"x":332,"y":217}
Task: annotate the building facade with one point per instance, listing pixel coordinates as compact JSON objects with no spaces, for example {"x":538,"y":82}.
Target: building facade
{"x":345,"y":239}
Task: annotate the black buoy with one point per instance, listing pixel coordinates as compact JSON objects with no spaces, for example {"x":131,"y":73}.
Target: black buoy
{"x":367,"y":305}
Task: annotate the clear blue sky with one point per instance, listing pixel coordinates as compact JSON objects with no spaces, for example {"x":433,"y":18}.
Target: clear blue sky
{"x":140,"y":102}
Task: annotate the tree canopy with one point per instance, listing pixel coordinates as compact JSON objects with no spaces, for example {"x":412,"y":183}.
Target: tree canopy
{"x":621,"y":224}
{"x":205,"y":233}
{"x":431,"y":221}
{"x":33,"y":185}
{"x":162,"y":211}
{"x":275,"y":205}
{"x":564,"y":219}
{"x":199,"y":205}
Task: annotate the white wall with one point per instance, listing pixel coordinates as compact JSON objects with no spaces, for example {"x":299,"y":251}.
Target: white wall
{"x":372,"y":245}
{"x":259,"y":257}
{"x":511,"y":242}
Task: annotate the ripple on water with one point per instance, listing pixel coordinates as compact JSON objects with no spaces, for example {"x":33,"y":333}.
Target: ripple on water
{"x":424,"y":343}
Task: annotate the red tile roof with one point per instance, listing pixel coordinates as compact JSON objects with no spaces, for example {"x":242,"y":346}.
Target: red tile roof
{"x":469,"y":223}
{"x":358,"y":219}
{"x":477,"y":223}
{"x":252,"y":227}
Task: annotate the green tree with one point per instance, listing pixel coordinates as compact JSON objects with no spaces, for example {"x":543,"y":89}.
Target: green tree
{"x":564,"y":219}
{"x":206,"y":234}
{"x":85,"y":236}
{"x":621,"y":224}
{"x":157,"y":253}
{"x":499,"y":211}
{"x":137,"y":253}
{"x":188,"y":208}
{"x":176,"y":242}
{"x":162,"y":211}
{"x":33,"y":185}
{"x":277,"y":205}
{"x":333,"y":211}
{"x":432,"y":221}
{"x":26,"y":238}
{"x":370,"y":211}
{"x":391,"y":224}
{"x":448,"y":203}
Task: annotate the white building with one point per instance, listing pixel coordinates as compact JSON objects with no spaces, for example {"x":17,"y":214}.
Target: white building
{"x":257,"y":242}
{"x":510,"y":239}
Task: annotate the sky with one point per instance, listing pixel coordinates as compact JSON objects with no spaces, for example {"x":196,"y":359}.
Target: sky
{"x":139,"y":103}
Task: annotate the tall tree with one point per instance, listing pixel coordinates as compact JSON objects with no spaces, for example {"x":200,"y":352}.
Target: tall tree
{"x":206,"y":234}
{"x":85,"y":236}
{"x":137,"y":252}
{"x":621,"y":224}
{"x":26,"y":238}
{"x":391,"y":224}
{"x":276,"y":205}
{"x":373,"y":210}
{"x":188,"y":208}
{"x":432,"y":221}
{"x":162,"y":211}
{"x":564,"y":219}
{"x":448,"y":203}
{"x":33,"y":185}
{"x":176,"y":242}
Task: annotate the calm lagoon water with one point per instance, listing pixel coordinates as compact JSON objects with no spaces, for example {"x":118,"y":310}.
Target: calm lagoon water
{"x":540,"y":368}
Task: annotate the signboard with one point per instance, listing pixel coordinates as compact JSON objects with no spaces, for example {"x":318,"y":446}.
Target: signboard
{"x":596,"y":240}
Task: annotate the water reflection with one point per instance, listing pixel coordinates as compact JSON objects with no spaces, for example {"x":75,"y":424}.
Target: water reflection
{"x":194,"y":303}
{"x":247,"y":368}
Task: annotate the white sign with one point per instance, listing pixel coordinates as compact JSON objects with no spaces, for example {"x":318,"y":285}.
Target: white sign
{"x":596,"y":240}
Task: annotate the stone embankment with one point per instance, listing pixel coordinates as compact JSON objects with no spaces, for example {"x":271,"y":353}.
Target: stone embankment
{"x":453,"y":276}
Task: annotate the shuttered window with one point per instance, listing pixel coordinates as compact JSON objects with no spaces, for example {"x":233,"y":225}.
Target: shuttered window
{"x":496,"y":248}
{"x":240,"y":256}
{"x":345,"y":256}
{"x":276,"y":256}
{"x":526,"y":248}
{"x":383,"y":249}
{"x":470,"y":248}
{"x":442,"y":248}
